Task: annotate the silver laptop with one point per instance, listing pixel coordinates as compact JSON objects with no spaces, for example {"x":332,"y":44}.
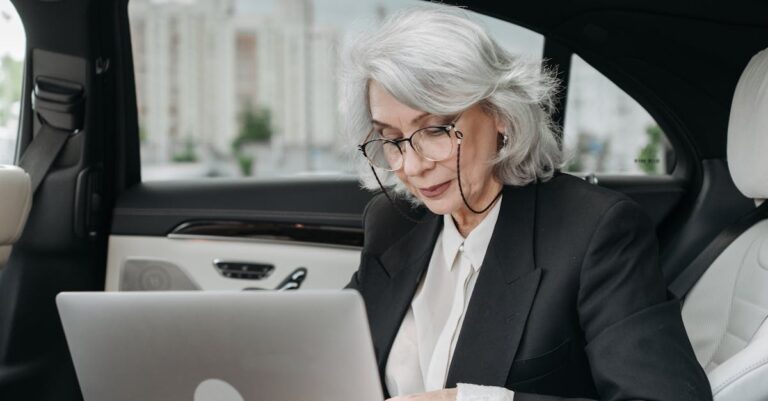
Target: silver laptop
{"x":222,"y":346}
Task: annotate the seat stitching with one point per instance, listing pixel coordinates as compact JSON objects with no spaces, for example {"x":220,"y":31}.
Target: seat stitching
{"x":740,"y":373}
{"x":746,"y":301}
{"x":763,"y":312}
{"x":736,"y":336}
{"x":733,"y":297}
{"x":717,"y":355}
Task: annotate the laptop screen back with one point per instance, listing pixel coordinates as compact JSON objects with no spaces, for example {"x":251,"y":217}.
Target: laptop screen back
{"x":277,"y":346}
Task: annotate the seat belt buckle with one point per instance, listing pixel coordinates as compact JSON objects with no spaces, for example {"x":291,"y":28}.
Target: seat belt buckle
{"x":59,"y":103}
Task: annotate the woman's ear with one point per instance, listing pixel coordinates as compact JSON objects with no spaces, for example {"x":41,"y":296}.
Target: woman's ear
{"x":501,"y":124}
{"x":501,"y":128}
{"x":501,"y":141}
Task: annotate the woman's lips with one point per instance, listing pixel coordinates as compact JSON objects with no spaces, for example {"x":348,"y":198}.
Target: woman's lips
{"x":435,"y":191}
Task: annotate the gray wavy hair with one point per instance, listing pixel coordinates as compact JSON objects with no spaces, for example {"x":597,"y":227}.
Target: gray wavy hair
{"x":436,"y":60}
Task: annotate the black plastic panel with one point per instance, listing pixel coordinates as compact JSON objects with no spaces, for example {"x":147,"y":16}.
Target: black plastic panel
{"x":156,"y":208}
{"x":658,"y":195}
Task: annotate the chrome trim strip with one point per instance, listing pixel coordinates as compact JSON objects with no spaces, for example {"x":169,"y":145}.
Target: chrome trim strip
{"x":271,"y":232}
{"x":262,"y":241}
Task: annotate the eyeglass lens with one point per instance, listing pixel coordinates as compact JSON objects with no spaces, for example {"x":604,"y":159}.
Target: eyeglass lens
{"x":431,"y":143}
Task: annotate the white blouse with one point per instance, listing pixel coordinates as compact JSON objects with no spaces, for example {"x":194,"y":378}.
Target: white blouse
{"x":423,"y":348}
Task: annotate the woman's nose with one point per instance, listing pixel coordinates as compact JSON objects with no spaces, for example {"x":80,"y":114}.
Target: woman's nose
{"x":413,"y":163}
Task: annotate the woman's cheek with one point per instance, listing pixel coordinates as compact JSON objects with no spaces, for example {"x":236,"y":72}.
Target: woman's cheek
{"x":404,"y":179}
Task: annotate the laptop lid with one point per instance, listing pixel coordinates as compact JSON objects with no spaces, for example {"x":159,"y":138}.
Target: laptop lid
{"x":205,"y":346}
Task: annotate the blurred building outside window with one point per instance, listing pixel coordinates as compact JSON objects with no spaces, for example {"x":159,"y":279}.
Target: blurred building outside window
{"x":606,"y":131}
{"x":249,"y":87}
{"x":12,"y":47}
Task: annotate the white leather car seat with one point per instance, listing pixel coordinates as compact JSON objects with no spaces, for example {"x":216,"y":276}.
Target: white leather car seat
{"x":725,"y":312}
{"x":15,"y":202}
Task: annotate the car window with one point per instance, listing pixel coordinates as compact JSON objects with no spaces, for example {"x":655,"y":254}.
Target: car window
{"x":606,"y":131}
{"x":12,"y":45}
{"x":248,"y":88}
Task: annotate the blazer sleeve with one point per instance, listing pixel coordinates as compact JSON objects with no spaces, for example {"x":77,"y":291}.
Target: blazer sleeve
{"x":635,"y":338}
{"x":354,"y":281}
{"x":636,"y":342}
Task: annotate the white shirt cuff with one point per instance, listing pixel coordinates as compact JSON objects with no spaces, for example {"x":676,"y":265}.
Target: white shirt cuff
{"x":474,"y":392}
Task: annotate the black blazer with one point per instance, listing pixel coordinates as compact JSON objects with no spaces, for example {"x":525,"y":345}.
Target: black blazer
{"x":569,"y":302}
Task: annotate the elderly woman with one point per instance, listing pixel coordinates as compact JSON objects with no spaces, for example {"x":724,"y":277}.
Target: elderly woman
{"x":483,"y":266}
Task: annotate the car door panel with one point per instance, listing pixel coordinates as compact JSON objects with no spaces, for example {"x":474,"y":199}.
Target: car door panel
{"x":167,"y":235}
{"x":166,"y":263}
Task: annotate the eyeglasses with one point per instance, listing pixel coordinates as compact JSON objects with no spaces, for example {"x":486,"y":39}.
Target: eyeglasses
{"x":433,"y":143}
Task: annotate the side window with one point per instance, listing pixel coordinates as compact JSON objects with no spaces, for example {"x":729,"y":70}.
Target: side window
{"x":248,"y":88}
{"x":12,"y":45}
{"x":606,"y":131}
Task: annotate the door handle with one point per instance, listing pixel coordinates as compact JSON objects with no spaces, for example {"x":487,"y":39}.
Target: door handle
{"x":292,"y":282}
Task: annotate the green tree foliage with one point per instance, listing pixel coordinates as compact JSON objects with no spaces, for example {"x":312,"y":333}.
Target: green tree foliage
{"x":648,"y":158}
{"x":255,"y":127}
{"x":245,"y":163}
{"x":143,"y":134}
{"x":187,"y":154}
{"x":11,"y":74}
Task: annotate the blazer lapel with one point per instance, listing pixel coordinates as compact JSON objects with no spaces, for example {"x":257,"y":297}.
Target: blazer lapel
{"x":404,"y":263}
{"x":502,"y":297}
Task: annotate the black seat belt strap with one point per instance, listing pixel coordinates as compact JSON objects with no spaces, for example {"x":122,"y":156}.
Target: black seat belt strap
{"x":59,"y":106}
{"x":41,"y":153}
{"x":683,"y":283}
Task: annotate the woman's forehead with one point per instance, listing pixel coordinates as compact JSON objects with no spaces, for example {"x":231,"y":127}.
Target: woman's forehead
{"x":387,"y":110}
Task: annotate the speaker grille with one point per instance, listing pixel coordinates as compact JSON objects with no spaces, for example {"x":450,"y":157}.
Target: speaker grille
{"x":154,"y":275}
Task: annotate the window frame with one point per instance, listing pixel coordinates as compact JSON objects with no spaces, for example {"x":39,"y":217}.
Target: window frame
{"x":559,"y":56}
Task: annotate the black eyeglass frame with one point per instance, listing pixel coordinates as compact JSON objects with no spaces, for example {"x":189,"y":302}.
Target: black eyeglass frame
{"x":447,"y":128}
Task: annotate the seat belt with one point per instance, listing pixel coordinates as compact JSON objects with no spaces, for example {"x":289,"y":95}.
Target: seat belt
{"x":685,"y":281}
{"x":59,"y":106}
{"x":41,"y":153}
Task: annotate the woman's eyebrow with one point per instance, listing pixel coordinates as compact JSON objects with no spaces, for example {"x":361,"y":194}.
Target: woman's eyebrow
{"x":374,"y":122}
{"x":413,"y":121}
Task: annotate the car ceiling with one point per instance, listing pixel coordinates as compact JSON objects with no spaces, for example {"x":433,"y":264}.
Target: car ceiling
{"x":680,"y":59}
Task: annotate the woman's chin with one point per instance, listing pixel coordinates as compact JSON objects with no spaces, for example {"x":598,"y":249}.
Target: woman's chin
{"x":442,"y":205}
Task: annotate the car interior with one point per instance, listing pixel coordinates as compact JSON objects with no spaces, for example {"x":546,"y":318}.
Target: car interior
{"x":80,"y":217}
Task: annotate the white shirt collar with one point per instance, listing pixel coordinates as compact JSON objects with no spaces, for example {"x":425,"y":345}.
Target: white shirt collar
{"x":476,"y":243}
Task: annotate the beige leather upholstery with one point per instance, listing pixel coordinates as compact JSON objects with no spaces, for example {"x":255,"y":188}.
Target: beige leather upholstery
{"x":743,"y":376}
{"x":748,"y":130}
{"x":725,"y":312}
{"x":15,"y":202}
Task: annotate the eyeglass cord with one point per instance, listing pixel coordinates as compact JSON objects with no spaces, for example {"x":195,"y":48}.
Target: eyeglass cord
{"x":383,"y":189}
{"x":459,"y":136}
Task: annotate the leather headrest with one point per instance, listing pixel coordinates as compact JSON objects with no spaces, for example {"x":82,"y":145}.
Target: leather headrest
{"x":15,"y":202}
{"x":748,"y":130}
